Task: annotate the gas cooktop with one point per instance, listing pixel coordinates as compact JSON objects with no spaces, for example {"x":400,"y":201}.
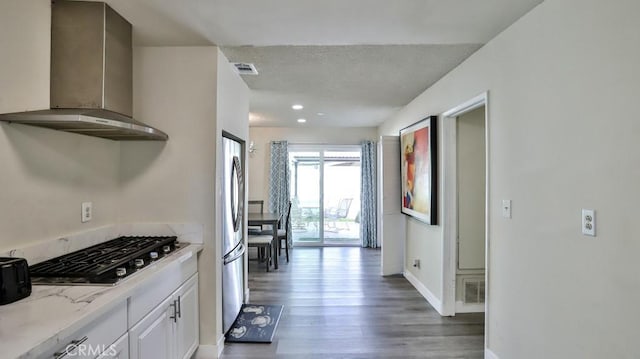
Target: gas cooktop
{"x":105,"y":263}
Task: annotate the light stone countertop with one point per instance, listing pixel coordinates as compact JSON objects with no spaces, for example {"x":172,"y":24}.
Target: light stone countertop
{"x":37,"y":323}
{"x":40,"y":322}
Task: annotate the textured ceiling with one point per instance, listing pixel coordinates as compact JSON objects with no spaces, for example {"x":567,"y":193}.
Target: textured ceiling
{"x":339,"y":57}
{"x":358,"y":85}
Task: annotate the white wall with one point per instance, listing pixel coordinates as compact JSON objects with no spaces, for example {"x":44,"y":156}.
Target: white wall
{"x":192,"y":94}
{"x":391,"y":223}
{"x":175,"y":89}
{"x":233,"y":117}
{"x":470,"y":131}
{"x":262,"y":136}
{"x":233,"y":100}
{"x":44,"y":175}
{"x":563,"y":135}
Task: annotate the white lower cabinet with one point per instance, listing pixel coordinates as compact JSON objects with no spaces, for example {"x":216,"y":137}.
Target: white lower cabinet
{"x":94,"y":338}
{"x":153,"y":336}
{"x":170,"y":331}
{"x":159,"y":320}
{"x":188,"y":324}
{"x":117,"y":350}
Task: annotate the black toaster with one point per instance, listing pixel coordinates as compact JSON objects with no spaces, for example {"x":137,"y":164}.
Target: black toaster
{"x":15,"y":282}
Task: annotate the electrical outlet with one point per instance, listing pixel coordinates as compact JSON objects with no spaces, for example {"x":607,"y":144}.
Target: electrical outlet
{"x":416,"y":263}
{"x":506,"y":208}
{"x":589,"y":222}
{"x":87,"y":212}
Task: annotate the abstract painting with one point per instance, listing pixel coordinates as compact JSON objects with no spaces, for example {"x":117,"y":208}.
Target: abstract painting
{"x":418,"y":166}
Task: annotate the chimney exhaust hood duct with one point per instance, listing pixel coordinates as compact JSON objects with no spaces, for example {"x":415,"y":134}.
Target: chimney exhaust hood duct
{"x":91,"y":75}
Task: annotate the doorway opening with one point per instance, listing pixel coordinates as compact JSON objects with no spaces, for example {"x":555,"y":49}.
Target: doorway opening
{"x":466,"y":193}
{"x":325,"y":195}
{"x":471,"y":184}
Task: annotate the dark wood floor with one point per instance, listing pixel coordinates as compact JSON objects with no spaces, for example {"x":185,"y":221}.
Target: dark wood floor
{"x":336,"y":305}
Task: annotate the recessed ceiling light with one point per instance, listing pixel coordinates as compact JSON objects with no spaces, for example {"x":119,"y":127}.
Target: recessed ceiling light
{"x":320,"y":113}
{"x":297,"y":107}
{"x":302,"y":120}
{"x":254,"y":117}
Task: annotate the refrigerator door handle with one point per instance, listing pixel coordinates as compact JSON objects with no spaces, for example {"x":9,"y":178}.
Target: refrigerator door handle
{"x":234,"y":254}
{"x":237,"y":198}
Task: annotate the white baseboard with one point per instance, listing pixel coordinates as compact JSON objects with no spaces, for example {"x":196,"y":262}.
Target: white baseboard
{"x":426,"y":293}
{"x":206,"y":352}
{"x":462,"y":307}
{"x":488,"y":354}
{"x":210,"y":351}
{"x":220,"y":345}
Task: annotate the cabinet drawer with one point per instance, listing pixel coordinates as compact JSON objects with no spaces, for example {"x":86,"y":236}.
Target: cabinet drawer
{"x":95,"y":338}
{"x":149,"y":296}
{"x":117,"y":350}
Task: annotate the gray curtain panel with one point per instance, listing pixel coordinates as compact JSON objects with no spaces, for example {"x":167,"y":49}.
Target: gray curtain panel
{"x":279,"y":188}
{"x":368,"y":221}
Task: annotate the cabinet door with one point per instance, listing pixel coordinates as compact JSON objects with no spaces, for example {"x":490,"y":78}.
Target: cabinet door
{"x":117,"y":350}
{"x":93,"y":338}
{"x":153,"y":337}
{"x":187,"y":326}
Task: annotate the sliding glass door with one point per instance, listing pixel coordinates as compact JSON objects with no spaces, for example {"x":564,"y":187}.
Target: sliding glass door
{"x":341,"y":197}
{"x":305,"y":182}
{"x":325,"y":193}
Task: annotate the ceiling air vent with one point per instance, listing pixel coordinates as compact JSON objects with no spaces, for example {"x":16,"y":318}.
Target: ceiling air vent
{"x":243,"y":68}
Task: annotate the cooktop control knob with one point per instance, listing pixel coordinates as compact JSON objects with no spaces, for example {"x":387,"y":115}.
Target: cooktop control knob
{"x":139,"y":262}
{"x":166,"y":249}
{"x":121,"y":271}
{"x":153,"y":255}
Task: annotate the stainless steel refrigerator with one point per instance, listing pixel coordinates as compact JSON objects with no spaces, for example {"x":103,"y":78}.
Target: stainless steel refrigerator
{"x":232,"y":228}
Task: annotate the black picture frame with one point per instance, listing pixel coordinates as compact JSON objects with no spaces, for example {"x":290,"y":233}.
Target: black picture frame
{"x":419,"y":170}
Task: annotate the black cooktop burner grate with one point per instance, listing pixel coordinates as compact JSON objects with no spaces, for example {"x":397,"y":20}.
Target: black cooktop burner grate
{"x":102,"y":259}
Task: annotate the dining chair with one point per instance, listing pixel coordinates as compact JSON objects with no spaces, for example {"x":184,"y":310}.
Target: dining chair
{"x":263,"y":245}
{"x":255,"y":206}
{"x":283,"y":234}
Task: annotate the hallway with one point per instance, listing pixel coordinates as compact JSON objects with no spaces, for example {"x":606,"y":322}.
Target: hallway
{"x":336,"y":305}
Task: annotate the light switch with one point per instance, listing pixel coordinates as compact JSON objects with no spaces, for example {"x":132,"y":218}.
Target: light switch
{"x":589,"y":222}
{"x":506,"y":208}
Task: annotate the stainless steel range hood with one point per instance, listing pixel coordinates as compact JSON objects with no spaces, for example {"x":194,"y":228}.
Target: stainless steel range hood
{"x":91,"y":75}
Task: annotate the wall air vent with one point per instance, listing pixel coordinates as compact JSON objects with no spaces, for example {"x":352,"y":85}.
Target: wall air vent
{"x":473,"y":290}
{"x":243,"y":68}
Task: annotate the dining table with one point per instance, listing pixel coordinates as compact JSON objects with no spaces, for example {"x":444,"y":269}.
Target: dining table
{"x":272,"y":219}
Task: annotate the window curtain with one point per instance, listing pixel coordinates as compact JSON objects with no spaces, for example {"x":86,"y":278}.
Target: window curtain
{"x":368,"y":221}
{"x":279,"y":188}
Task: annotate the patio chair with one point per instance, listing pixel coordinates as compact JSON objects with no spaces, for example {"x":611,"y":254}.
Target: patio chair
{"x":333,"y":214}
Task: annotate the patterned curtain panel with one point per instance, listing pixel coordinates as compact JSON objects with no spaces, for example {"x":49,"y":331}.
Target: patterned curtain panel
{"x":368,"y":224}
{"x":279,"y":188}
